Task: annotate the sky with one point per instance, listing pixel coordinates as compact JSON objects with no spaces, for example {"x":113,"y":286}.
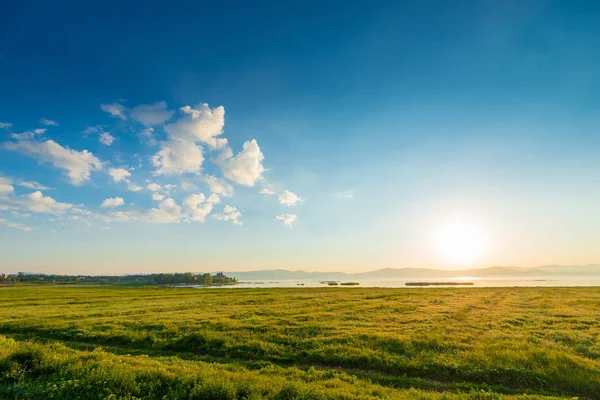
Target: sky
{"x":323,"y":136}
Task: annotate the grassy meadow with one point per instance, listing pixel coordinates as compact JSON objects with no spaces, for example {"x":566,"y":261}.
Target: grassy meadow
{"x":84,"y":342}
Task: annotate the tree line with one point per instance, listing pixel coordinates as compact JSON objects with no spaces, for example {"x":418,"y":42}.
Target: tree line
{"x":151,"y":279}
{"x":193,"y":279}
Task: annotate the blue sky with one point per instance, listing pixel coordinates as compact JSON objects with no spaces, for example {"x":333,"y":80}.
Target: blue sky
{"x":369,"y":125}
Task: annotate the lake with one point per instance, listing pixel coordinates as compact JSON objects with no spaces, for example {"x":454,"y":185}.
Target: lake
{"x":546,"y":281}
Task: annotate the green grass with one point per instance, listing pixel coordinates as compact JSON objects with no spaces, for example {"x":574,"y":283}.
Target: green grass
{"x":299,"y":343}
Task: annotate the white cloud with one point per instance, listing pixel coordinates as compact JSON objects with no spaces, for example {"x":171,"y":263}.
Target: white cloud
{"x":229,"y":214}
{"x":92,"y":129}
{"x":147,"y":136}
{"x":287,"y":219}
{"x":78,"y":164}
{"x":80,"y":220}
{"x":114,"y":109}
{"x":119,"y":174}
{"x":199,"y":124}
{"x":130,"y":215}
{"x":267,"y":192}
{"x":218,"y":186}
{"x":40,"y":131}
{"x":112,"y":202}
{"x":158,"y":196}
{"x":33,"y":185}
{"x":134,"y":188}
{"x":15,"y":225}
{"x":187,"y":185}
{"x":288,"y":198}
{"x":5,"y":125}
{"x":5,"y":186}
{"x":77,"y":210}
{"x":37,"y":202}
{"x":151,"y":114}
{"x":48,"y":122}
{"x":106,"y":138}
{"x":197,"y":207}
{"x":177,"y":157}
{"x":213,"y":199}
{"x":167,"y":212}
{"x":181,"y":153}
{"x":154,"y":187}
{"x":245,"y":168}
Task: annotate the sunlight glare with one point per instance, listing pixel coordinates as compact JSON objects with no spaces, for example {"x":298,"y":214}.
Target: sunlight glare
{"x":460,"y":241}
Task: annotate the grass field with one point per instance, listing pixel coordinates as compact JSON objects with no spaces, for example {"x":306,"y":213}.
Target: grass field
{"x":147,"y":342}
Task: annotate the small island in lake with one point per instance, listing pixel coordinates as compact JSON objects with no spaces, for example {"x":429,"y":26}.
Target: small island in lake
{"x":439,"y":283}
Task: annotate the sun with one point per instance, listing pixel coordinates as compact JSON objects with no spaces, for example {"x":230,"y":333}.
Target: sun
{"x":459,"y":241}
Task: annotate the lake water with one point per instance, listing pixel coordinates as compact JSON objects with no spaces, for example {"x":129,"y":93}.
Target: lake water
{"x":545,"y":281}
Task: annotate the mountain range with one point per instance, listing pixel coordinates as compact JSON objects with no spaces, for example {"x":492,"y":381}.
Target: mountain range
{"x":412,"y":273}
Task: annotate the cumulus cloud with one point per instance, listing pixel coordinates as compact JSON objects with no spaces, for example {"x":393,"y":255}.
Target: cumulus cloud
{"x":33,"y":185}
{"x":134,"y":188}
{"x":231,"y":214}
{"x":114,"y":109}
{"x":48,"y":122}
{"x":167,"y":212}
{"x":244,"y":168}
{"x":112,"y":202}
{"x":40,"y":131}
{"x":213,"y":199}
{"x":151,"y":114}
{"x":15,"y":225}
{"x":120,"y":216}
{"x":5,"y":125}
{"x":288,"y":198}
{"x":157,"y":196}
{"x":218,"y":186}
{"x":119,"y":174}
{"x":181,"y":153}
{"x":106,"y":138}
{"x":187,"y":185}
{"x":37,"y":202}
{"x":177,"y":157}
{"x":154,"y":187}
{"x":287,"y":219}
{"x":147,"y":136}
{"x":77,"y":210}
{"x":197,"y":206}
{"x":267,"y":192}
{"x":199,"y":124}
{"x":78,"y":164}
{"x":6,"y":186}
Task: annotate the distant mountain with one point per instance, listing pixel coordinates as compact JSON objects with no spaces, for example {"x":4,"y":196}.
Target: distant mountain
{"x":412,"y":273}
{"x":571,"y":269}
{"x":402,"y":273}
{"x":285,"y":274}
